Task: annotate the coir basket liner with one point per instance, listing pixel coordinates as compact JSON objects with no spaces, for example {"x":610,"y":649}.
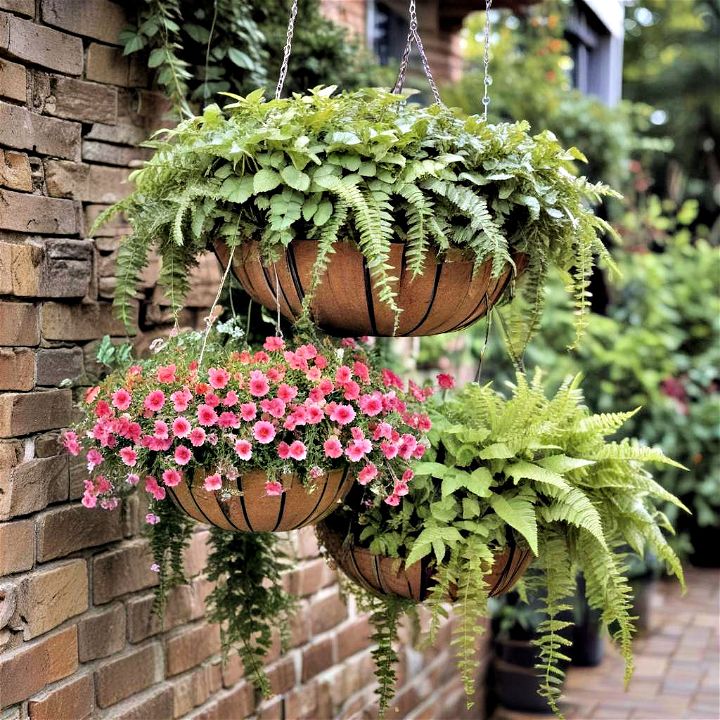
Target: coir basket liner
{"x":387,"y":576}
{"x":447,"y":296}
{"x":250,"y":509}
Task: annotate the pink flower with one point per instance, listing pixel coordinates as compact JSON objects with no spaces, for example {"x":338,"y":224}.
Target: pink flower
{"x":298,"y":451}
{"x":248,"y":411}
{"x":151,"y":486}
{"x":274,"y":489}
{"x":276,"y":407}
{"x":371,"y":405}
{"x":181,"y":427}
{"x":258,"y":385}
{"x":383,"y":430}
{"x":155,"y":400}
{"x":166,"y":374}
{"x":390,"y":379}
{"x":367,"y":474}
{"x":212,"y":399}
{"x":183,"y":455}
{"x":91,"y":393}
{"x":218,"y":377}
{"x":408,"y":475}
{"x":356,"y":450}
{"x":389,"y":450}
{"x":121,"y":399}
{"x":407,"y":446}
{"x":155,"y":568}
{"x":231,"y":399}
{"x":315,"y":414}
{"x":70,"y":441}
{"x":283,"y":450}
{"x":352,"y":390}
{"x":400,"y":489}
{"x":161,"y":430}
{"x":228,"y":420}
{"x":133,"y":479}
{"x":152,"y":519}
{"x":342,"y":414}
{"x":172,"y":477}
{"x":286,"y":392}
{"x":213,"y":482}
{"x":419,"y":451}
{"x":89,"y":500}
{"x":206,"y":415}
{"x":446,"y":381}
{"x":325,"y":387}
{"x":273,"y":343}
{"x":94,"y":458}
{"x":102,"y":485}
{"x":243,"y":449}
{"x":128,"y":456}
{"x":393,"y":500}
{"x":181,"y":399}
{"x":264,"y":432}
{"x":313,"y":374}
{"x":343,"y":375}
{"x":360,"y":370}
{"x":332,"y":447}
{"x":197,"y":437}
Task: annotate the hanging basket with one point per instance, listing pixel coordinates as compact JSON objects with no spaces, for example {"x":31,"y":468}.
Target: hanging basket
{"x":387,"y":576}
{"x":248,"y":508}
{"x":446,"y":297}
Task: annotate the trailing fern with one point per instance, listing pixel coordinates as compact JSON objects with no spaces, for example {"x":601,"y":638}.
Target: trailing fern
{"x":369,"y":168}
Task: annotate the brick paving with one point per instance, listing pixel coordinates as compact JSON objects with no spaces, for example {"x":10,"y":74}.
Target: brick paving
{"x":677,"y":671}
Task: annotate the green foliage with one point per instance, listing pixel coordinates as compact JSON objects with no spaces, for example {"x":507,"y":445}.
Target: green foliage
{"x":536,"y":471}
{"x":248,"y":600}
{"x":366,"y":167}
{"x":113,"y":355}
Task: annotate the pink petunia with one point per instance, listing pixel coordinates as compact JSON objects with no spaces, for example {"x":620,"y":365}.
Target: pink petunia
{"x":197,"y":437}
{"x":371,"y":404}
{"x":390,"y":379}
{"x":315,"y":414}
{"x":152,"y":519}
{"x":389,"y":450}
{"x":313,"y":374}
{"x":132,"y":479}
{"x":408,"y":475}
{"x":272,"y":344}
{"x":343,"y":375}
{"x":258,"y":385}
{"x":70,"y":441}
{"x":121,"y":399}
{"x":102,"y":485}
{"x":181,"y":427}
{"x":213,"y":482}
{"x":332,"y":447}
{"x":264,"y":432}
{"x":91,"y":393}
{"x":183,"y":455}
{"x":325,"y":386}
{"x":206,"y":415}
{"x":248,"y":411}
{"x":355,"y":451}
{"x":419,"y":451}
{"x":275,"y":407}
{"x":151,"y":486}
{"x":283,"y":451}
{"x":231,"y":399}
{"x":212,"y":399}
{"x":446,"y":381}
{"x":155,"y":401}
{"x":367,"y":474}
{"x":361,"y":371}
{"x":94,"y":458}
{"x":218,"y":377}
{"x":166,"y":374}
{"x":342,"y":414}
{"x":298,"y":451}
{"x":161,"y":430}
{"x":274,"y":488}
{"x":89,"y":500}
{"x":171,"y":478}
{"x":393,"y":500}
{"x":128,"y":456}
{"x":383,"y":430}
{"x":400,"y":489}
{"x":181,"y":399}
{"x":243,"y":449}
{"x":228,"y":420}
{"x":286,"y":392}
{"x":352,"y":390}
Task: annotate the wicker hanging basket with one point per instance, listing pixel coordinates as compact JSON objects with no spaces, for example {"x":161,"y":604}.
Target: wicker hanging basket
{"x":388,"y":576}
{"x":248,"y":508}
{"x":446,"y":297}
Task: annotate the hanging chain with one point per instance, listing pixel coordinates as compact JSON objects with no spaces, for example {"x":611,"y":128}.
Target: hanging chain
{"x":414,"y":35}
{"x":487,"y":79}
{"x":288,"y":48}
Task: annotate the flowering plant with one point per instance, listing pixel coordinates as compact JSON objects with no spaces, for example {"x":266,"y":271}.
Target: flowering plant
{"x":300,"y":409}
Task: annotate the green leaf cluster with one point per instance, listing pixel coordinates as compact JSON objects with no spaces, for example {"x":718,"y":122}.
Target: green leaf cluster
{"x":541,"y":473}
{"x":370,"y":168}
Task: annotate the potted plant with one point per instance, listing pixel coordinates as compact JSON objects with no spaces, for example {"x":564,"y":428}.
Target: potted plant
{"x":526,"y":472}
{"x":363,"y":212}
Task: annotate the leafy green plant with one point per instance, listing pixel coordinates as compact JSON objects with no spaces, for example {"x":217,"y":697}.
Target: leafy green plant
{"x":532,"y":471}
{"x":370,"y":168}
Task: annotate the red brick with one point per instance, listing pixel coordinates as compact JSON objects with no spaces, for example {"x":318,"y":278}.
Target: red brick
{"x":128,"y":674}
{"x":183,"y":604}
{"x":302,"y":703}
{"x":41,"y":45}
{"x":353,"y":638}
{"x":309,"y":577}
{"x":14,"y":166}
{"x":25,"y":413}
{"x":35,"y":484}
{"x":317,"y":657}
{"x":99,"y":19}
{"x":17,"y":546}
{"x":17,"y":369}
{"x":326,"y":612}
{"x":102,"y":633}
{"x":122,"y":571}
{"x":73,"y":527}
{"x":86,"y":321}
{"x":238,"y":703}
{"x":73,"y":699}
{"x":196,"y":554}
{"x":153,"y":705}
{"x":272,"y":710}
{"x":282,"y":675}
{"x":108,"y":65}
{"x":190,"y":647}
{"x":19,"y":324}
{"x":26,"y":213}
{"x":28,"y":669}
{"x":93,"y":183}
{"x":50,"y":596}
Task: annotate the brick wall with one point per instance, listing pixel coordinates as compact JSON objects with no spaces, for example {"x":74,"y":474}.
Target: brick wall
{"x":77,"y":638}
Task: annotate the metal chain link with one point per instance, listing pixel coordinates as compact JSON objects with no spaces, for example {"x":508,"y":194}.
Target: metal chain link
{"x":487,"y":78}
{"x":288,"y":49}
{"x":414,"y":36}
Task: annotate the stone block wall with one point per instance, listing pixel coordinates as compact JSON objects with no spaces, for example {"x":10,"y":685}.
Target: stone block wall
{"x":77,"y":636}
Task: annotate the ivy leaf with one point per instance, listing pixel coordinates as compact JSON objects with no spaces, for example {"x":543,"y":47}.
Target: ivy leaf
{"x":265,"y":180}
{"x":323,"y":213}
{"x":237,"y":190}
{"x":295,"y":178}
{"x":433,"y":469}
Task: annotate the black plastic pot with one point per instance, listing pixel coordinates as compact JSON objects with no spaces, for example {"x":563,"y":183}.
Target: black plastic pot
{"x":588,"y":643}
{"x":706,"y":545}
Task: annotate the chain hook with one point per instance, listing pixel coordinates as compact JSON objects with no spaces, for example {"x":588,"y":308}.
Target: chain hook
{"x":487,"y":78}
{"x":287,"y":50}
